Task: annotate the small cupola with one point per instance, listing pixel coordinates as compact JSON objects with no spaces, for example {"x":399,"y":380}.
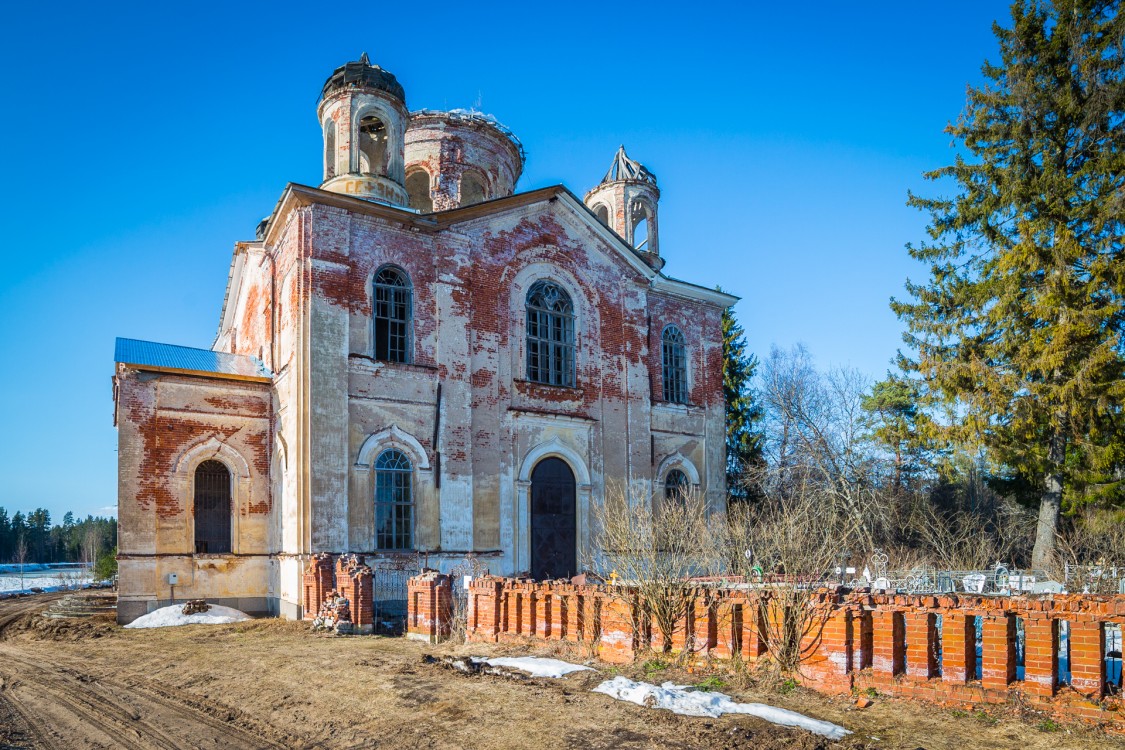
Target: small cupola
{"x":363,"y":115}
{"x":626,"y":201}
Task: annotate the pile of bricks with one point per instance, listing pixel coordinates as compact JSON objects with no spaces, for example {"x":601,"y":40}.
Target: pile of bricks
{"x":329,"y":579}
{"x":335,"y":614}
{"x":910,"y":646}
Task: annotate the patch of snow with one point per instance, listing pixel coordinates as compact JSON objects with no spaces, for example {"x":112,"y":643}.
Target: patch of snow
{"x":681,"y":700}
{"x":533,"y":665}
{"x":167,"y":617}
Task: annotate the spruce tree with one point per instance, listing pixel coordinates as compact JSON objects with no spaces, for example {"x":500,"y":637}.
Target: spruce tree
{"x":744,"y":440}
{"x":1020,"y":322}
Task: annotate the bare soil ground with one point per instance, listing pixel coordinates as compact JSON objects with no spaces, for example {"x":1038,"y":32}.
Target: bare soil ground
{"x":271,"y":683}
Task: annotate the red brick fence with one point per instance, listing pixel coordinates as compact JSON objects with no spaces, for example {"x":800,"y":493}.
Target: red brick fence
{"x":916,"y":646}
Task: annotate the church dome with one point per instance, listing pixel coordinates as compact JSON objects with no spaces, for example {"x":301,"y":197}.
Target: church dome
{"x":362,"y":74}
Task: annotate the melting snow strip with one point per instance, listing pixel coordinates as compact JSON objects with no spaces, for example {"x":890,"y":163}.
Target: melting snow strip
{"x":681,"y":700}
{"x":533,"y":665}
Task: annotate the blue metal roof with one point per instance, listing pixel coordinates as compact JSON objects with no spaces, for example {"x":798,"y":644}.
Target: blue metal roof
{"x":172,"y":357}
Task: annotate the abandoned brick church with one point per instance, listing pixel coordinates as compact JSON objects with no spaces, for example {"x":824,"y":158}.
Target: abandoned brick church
{"x":414,"y":358}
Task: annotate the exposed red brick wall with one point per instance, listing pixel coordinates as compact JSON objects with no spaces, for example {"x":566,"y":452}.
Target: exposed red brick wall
{"x":858,"y":639}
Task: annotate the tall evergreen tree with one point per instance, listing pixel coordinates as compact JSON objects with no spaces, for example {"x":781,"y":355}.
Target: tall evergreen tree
{"x":897,"y":422}
{"x":743,"y":413}
{"x":1020,"y":323}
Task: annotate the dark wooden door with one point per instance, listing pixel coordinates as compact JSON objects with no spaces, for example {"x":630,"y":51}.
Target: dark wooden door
{"x":554,"y":533}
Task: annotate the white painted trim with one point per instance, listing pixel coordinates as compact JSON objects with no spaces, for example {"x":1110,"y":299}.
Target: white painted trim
{"x":391,"y":437}
{"x":677,"y":461}
{"x":554,"y":447}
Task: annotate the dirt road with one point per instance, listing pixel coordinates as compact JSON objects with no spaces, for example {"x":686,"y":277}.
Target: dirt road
{"x":263,"y":684}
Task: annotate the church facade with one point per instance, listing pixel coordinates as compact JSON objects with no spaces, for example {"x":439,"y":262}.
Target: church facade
{"x":414,"y":359}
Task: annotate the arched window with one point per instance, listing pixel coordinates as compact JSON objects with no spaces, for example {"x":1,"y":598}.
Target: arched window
{"x":372,"y":146}
{"x":602,"y":213}
{"x":676,"y":485}
{"x":394,"y":501}
{"x":640,"y":234}
{"x":418,"y":191}
{"x":393,"y":310}
{"x":212,"y":508}
{"x":674,"y":360}
{"x":550,"y":335}
{"x":472,"y":189}
{"x":329,"y":149}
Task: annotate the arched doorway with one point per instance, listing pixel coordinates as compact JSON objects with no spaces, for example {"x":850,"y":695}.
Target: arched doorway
{"x":553,"y":520}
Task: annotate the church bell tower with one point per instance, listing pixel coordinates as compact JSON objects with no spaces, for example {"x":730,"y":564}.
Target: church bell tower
{"x":363,"y":114}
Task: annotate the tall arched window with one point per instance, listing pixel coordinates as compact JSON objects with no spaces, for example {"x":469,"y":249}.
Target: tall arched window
{"x":212,"y":508}
{"x":674,"y":360}
{"x":394,"y":501}
{"x":393,"y":309}
{"x":329,"y":149}
{"x":676,"y":485}
{"x":602,"y":212}
{"x":418,"y":191}
{"x":550,"y":335}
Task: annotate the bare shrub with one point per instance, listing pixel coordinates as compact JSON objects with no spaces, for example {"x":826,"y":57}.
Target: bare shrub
{"x":654,"y":547}
{"x":786,"y":547}
{"x":1090,"y":554}
{"x":959,"y":539}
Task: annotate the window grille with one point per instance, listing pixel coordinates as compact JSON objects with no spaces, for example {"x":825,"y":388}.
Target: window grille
{"x":550,"y":335}
{"x":393,"y":311}
{"x":212,"y":508}
{"x":394,"y":501}
{"x":675,"y":485}
{"x":674,"y":365}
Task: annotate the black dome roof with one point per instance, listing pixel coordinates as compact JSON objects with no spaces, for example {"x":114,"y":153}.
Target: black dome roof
{"x":361,"y":73}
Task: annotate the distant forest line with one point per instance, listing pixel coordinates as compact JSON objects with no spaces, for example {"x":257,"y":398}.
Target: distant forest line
{"x":32,"y":538}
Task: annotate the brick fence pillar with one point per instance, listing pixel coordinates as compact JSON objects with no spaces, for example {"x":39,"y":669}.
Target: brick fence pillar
{"x":888,"y":656}
{"x":317,"y":581}
{"x":1040,"y":658}
{"x":958,"y":647}
{"x":826,"y":650}
{"x":617,"y":638}
{"x":998,"y":656}
{"x":483,"y":618}
{"x":429,"y":607}
{"x":1087,"y":657}
{"x":921,"y":661}
{"x":754,"y":645}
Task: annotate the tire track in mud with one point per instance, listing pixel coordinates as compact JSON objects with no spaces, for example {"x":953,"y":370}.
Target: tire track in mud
{"x":66,"y":708}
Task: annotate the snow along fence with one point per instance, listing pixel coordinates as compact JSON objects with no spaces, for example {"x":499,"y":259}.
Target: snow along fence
{"x":1060,"y":653}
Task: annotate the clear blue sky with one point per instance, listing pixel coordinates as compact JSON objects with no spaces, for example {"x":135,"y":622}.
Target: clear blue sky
{"x":139,"y":143}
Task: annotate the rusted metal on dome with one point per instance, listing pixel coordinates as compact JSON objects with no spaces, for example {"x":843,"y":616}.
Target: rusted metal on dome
{"x":362,"y":74}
